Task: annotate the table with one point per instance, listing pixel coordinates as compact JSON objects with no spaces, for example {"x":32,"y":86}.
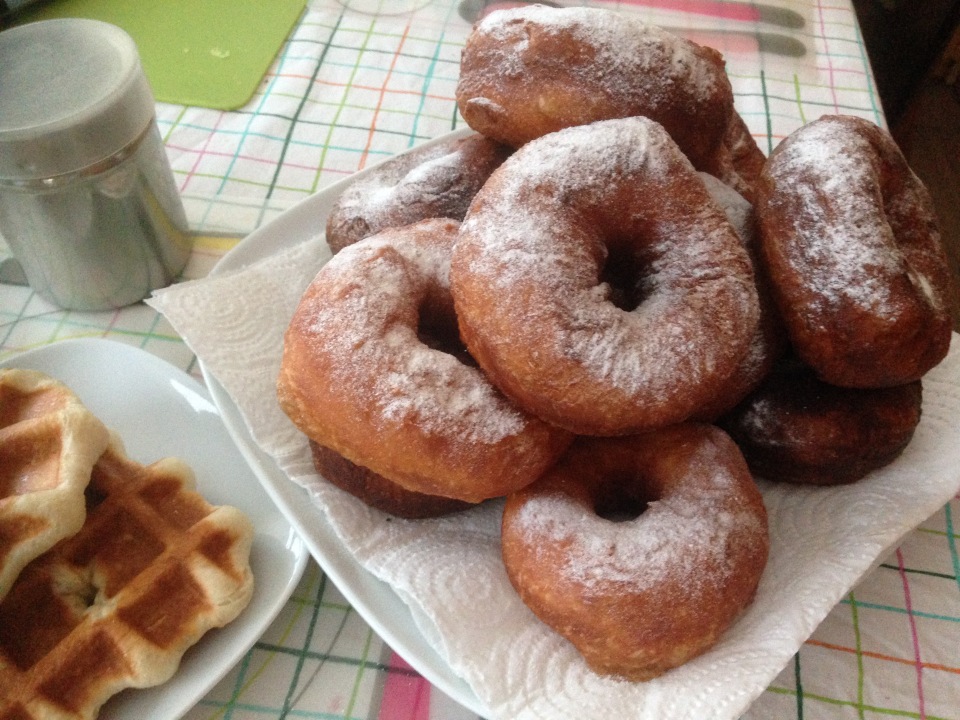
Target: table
{"x":348,"y":89}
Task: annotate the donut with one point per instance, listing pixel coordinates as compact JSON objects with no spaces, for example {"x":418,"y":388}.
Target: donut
{"x":640,"y":550}
{"x":369,"y":369}
{"x":850,"y":241}
{"x":769,"y":341}
{"x":529,"y":71}
{"x":435,"y":181}
{"x":796,"y":428}
{"x":378,"y":492}
{"x":597,"y":283}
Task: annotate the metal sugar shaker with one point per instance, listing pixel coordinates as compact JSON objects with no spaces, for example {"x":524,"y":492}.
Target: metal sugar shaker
{"x":88,"y":203}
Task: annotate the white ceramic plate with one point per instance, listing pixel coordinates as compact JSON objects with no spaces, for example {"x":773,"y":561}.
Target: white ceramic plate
{"x":373,"y":599}
{"x":160,"y":411}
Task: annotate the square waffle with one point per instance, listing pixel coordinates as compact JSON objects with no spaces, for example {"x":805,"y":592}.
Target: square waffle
{"x":115,"y":606}
{"x":48,"y":444}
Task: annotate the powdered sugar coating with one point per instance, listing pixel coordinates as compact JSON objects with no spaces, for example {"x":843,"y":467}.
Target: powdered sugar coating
{"x":375,"y":355}
{"x":366,"y":373}
{"x":642,"y":593}
{"x":676,"y":537}
{"x":852,"y":246}
{"x":839,"y":168}
{"x":530,"y":256}
{"x":437,"y":180}
{"x":531,"y":70}
{"x":622,"y":46}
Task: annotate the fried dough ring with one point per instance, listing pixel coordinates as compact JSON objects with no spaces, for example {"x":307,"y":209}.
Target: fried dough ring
{"x":358,"y":376}
{"x":853,"y":251}
{"x":530,"y":269}
{"x":529,"y":71}
{"x":640,"y":593}
{"x":797,"y":428}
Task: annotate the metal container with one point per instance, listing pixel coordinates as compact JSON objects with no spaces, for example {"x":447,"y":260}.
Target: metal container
{"x":88,"y":203}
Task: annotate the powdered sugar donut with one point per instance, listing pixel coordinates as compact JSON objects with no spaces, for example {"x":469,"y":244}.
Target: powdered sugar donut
{"x":851,"y":244}
{"x":639,"y":550}
{"x":529,"y":71}
{"x":797,"y":428}
{"x":369,"y":370}
{"x":597,"y":283}
{"x":435,"y":181}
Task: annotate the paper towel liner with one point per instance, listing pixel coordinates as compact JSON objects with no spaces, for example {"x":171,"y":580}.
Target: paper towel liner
{"x":823,"y":540}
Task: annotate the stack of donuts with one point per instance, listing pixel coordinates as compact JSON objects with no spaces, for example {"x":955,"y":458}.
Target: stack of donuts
{"x":610,"y":309}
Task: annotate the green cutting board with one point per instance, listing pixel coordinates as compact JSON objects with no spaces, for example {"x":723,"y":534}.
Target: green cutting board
{"x":211,"y":53}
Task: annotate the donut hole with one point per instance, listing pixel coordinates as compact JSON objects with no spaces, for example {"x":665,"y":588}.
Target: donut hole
{"x":437,"y":329}
{"x":618,"y":498}
{"x":621,"y":272}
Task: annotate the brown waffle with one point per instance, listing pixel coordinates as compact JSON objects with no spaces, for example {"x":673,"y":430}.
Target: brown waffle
{"x":153,"y":568}
{"x":48,"y":444}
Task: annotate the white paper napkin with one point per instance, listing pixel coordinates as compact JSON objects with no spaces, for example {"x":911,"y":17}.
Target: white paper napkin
{"x":823,"y":540}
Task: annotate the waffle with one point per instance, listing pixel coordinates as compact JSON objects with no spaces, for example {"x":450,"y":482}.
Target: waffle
{"x":153,"y":568}
{"x":48,"y":444}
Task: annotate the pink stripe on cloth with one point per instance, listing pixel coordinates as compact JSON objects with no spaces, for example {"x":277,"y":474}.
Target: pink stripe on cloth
{"x":712,"y":8}
{"x":406,"y":695}
{"x":908,"y":606}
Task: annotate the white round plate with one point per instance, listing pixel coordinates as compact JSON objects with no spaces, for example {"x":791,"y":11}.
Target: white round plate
{"x":160,"y":411}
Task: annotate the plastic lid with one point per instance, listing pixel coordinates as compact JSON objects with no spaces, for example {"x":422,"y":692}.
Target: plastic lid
{"x":72,"y":93}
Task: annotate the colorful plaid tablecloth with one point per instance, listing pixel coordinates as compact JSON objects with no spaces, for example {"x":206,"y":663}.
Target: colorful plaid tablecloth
{"x":350,"y":88}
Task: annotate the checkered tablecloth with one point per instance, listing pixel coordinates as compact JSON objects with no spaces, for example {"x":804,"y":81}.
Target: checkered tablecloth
{"x":349,"y":89}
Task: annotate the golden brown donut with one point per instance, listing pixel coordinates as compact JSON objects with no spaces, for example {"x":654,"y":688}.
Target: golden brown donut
{"x":378,"y":492}
{"x":642,"y":550}
{"x":851,"y":244}
{"x":797,"y":428}
{"x":366,"y":373}
{"x":529,"y":71}
{"x":437,"y":180}
{"x":563,"y":225}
